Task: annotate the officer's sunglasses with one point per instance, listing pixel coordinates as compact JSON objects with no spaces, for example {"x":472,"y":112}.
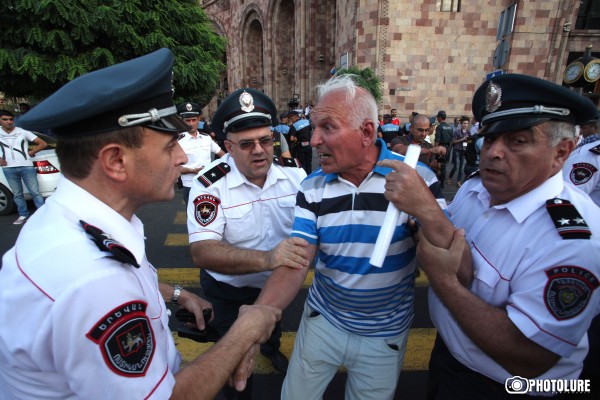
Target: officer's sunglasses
{"x":246,"y":145}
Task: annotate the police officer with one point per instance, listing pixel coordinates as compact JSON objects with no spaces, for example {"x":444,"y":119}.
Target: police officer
{"x":535,"y":244}
{"x":443,"y":137}
{"x":581,"y":169}
{"x":82,"y":312}
{"x":240,"y":214}
{"x":197,"y":145}
{"x":300,"y":134}
{"x":388,"y":131}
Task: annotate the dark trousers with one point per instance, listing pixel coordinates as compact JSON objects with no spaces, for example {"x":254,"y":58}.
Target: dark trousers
{"x":304,"y":155}
{"x":226,"y":301}
{"x":442,"y":175}
{"x":451,"y":380}
{"x":458,"y":161}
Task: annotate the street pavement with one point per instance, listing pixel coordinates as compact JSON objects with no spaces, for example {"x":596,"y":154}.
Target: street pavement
{"x":167,"y":249}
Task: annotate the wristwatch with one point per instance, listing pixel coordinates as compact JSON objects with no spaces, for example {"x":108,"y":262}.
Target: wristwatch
{"x":176,"y":294}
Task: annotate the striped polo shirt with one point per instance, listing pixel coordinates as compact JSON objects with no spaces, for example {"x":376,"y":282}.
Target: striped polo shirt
{"x":344,"y":221}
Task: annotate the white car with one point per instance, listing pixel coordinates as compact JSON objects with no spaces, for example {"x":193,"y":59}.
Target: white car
{"x":48,"y":173}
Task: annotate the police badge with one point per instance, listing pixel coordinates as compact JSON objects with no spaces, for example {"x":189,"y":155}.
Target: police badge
{"x":246,"y":101}
{"x":206,"y":208}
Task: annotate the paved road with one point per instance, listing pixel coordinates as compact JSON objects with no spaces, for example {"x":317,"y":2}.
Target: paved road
{"x":167,"y":249}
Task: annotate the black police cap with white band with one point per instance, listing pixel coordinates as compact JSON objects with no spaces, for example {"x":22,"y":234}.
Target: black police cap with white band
{"x":244,"y":109}
{"x":513,"y":102}
{"x":135,"y":92}
{"x":189,"y":110}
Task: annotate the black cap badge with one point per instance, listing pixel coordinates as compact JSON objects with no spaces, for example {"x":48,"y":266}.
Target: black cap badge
{"x":493,"y":97}
{"x":246,"y":101}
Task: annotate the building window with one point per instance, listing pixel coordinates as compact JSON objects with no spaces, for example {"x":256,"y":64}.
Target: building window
{"x":588,"y":16}
{"x":449,"y":5}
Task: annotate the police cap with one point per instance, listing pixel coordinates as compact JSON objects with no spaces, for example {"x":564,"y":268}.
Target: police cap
{"x":244,"y":109}
{"x":189,"y":110}
{"x":135,"y":92}
{"x":512,"y":102}
{"x":283,"y":115}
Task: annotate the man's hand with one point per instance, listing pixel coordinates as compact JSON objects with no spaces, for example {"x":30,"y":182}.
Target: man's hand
{"x":438,"y":150}
{"x":405,"y":188}
{"x":3,"y":162}
{"x":195,"y":305}
{"x":441,"y":264}
{"x":291,"y":252}
{"x":255,"y":322}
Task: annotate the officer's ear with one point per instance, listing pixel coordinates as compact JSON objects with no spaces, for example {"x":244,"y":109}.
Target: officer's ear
{"x":113,"y":161}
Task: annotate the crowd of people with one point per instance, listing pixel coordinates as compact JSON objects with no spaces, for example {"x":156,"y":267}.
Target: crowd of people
{"x":513,"y":262}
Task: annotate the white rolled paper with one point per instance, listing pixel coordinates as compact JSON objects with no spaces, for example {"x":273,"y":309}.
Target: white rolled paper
{"x":393,"y":216}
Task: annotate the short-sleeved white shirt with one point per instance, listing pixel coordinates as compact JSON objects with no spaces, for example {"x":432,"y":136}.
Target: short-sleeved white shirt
{"x":13,"y":147}
{"x":582,"y":169}
{"x":522,"y":264}
{"x":242,"y":214}
{"x":76,"y":323}
{"x":199,"y":150}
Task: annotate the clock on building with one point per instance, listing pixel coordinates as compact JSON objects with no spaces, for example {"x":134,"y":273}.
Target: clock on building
{"x":573,"y":72}
{"x":592,"y":71}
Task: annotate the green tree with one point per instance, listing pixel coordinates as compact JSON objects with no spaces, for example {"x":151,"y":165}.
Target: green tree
{"x":365,"y":78}
{"x":46,"y":43}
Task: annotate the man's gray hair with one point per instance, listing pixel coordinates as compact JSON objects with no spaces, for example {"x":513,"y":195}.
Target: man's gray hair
{"x":557,"y":131}
{"x":361,"y":103}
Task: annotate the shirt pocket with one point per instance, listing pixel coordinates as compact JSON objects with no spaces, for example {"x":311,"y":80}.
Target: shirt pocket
{"x":241,"y":224}
{"x":287,"y":205}
{"x":486,"y":276}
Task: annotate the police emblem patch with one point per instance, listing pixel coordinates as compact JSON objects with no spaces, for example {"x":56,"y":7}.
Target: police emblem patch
{"x":125,"y":339}
{"x":568,"y":290}
{"x":582,"y":173}
{"x":206,"y":207}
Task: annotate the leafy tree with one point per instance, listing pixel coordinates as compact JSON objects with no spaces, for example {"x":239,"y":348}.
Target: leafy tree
{"x":46,"y":43}
{"x":365,"y":78}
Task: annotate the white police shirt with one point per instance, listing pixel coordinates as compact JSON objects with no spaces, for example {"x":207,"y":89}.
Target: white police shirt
{"x":75,"y":322}
{"x":199,"y":150}
{"x":242,"y":214}
{"x":581,"y":169}
{"x":548,"y":285}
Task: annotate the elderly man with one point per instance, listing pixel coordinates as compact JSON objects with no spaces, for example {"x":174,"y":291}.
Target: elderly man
{"x":536,"y":251}
{"x":83,"y":315}
{"x":356,"y":315}
{"x":198,"y":146}
{"x":240,"y":214}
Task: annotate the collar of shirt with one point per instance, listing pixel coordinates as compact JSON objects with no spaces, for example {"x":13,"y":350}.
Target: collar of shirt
{"x":235,"y":178}
{"x":84,"y":206}
{"x":383,"y":154}
{"x":589,"y":139}
{"x":526,"y":204}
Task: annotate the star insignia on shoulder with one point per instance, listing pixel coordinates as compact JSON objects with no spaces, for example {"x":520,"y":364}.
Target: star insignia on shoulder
{"x":563,"y":221}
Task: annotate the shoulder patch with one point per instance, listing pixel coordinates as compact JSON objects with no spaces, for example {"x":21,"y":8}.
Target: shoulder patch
{"x":106,"y":243}
{"x":567,"y":220}
{"x":595,"y":149}
{"x":214,"y":174}
{"x":206,"y":208}
{"x":568,"y":290}
{"x":582,"y":173}
{"x":126,"y":339}
{"x":286,"y":162}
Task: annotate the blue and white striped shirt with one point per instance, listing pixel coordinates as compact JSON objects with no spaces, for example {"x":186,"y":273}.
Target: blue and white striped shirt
{"x":344,"y":221}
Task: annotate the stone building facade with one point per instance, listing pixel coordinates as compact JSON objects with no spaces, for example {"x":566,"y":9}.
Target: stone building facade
{"x":429,"y":54}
